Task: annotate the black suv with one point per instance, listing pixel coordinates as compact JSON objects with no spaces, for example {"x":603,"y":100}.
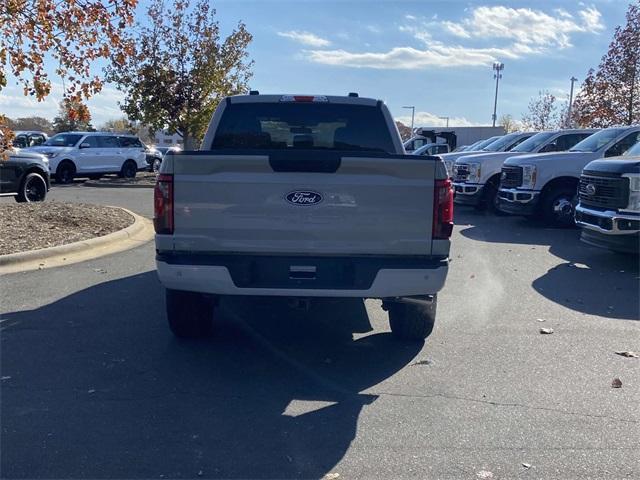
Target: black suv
{"x":25,"y":176}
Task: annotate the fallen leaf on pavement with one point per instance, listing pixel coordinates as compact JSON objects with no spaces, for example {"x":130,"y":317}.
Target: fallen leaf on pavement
{"x":628,"y":354}
{"x":423,"y":362}
{"x":331,"y":476}
{"x":617,"y":383}
{"x":546,"y":331}
{"x":484,"y":474}
{"x":526,"y":465}
{"x":541,"y":319}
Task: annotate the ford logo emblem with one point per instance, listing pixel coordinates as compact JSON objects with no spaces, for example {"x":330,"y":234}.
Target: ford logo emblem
{"x":590,"y":189}
{"x":303,"y":197}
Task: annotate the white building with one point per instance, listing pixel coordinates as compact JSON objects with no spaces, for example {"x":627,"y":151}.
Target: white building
{"x":163,"y":139}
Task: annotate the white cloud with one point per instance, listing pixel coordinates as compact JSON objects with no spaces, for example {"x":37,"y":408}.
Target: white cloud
{"x":457,"y":29}
{"x":519,"y":31}
{"x":306,"y":38}
{"x":409,"y":58}
{"x":527,"y":26}
{"x":373,"y":29}
{"x":428,"y":119}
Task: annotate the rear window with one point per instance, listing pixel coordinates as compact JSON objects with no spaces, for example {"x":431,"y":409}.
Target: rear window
{"x":315,"y":126}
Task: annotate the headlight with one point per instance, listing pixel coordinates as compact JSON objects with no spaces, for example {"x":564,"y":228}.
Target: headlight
{"x":50,"y":154}
{"x":634,"y":191}
{"x":474,"y":172}
{"x":529,"y":174}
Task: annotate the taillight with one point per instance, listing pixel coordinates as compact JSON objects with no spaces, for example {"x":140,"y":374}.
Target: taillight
{"x":163,"y":204}
{"x":442,"y":210}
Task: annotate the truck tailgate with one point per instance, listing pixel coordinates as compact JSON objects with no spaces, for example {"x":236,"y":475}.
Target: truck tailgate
{"x":370,"y":205}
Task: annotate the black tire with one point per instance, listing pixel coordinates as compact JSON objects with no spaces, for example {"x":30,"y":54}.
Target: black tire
{"x":65,"y":172}
{"x":558,"y":206}
{"x":129,"y":169}
{"x":412,"y":321}
{"x":155,"y":166}
{"x":190,"y":314}
{"x":32,"y":189}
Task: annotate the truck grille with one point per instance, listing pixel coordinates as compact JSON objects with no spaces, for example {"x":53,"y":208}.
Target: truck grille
{"x":511,"y":177}
{"x":460,"y":172}
{"x":600,"y":190}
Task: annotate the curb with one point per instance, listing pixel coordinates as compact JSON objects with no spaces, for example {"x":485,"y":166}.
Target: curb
{"x":139,"y":232}
{"x":97,"y":184}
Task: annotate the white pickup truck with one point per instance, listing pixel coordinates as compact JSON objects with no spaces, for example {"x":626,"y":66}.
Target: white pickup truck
{"x":302,"y":196}
{"x":476,"y":178}
{"x":546,"y":184}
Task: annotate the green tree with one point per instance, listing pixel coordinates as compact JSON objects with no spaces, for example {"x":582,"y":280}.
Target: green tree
{"x":180,"y":68}
{"x":610,"y":95}
{"x":69,"y":120}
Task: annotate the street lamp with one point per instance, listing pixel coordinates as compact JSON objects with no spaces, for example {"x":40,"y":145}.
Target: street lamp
{"x":569,"y":119}
{"x":498,"y":67}
{"x":445,"y":118}
{"x":413,"y":114}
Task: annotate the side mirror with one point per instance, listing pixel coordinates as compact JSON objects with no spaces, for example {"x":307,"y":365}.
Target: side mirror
{"x":85,"y":145}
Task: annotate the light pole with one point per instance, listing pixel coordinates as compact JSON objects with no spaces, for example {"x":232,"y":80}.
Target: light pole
{"x":569,"y":118}
{"x":413,"y":114}
{"x":445,"y":118}
{"x":498,"y":67}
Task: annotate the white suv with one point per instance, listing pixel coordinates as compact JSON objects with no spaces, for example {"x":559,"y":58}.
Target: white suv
{"x":92,"y":154}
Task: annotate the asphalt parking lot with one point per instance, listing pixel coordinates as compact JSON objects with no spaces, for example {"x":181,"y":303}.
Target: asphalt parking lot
{"x":95,"y":386}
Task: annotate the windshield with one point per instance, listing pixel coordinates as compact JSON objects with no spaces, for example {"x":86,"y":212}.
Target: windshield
{"x":502,"y":143}
{"x":298,"y":125}
{"x":63,"y":140}
{"x":598,"y":140}
{"x":473,"y":146}
{"x":483,"y":143}
{"x":531,"y":144}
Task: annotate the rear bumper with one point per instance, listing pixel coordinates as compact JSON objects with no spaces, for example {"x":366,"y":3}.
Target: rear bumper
{"x":468,"y":193}
{"x":360,"y":277}
{"x":609,"y":229}
{"x":518,"y":202}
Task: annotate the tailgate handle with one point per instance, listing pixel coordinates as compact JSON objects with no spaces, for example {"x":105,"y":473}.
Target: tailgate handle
{"x":302,"y":272}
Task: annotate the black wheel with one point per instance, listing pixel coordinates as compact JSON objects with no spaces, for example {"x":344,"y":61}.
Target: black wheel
{"x":156,"y":164}
{"x":65,"y":172}
{"x":558,"y":206}
{"x":190,"y":314}
{"x":489,"y":199}
{"x":412,"y":321}
{"x":129,"y":169}
{"x":33,"y":189}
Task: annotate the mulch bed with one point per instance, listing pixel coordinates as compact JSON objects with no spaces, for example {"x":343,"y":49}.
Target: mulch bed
{"x":142,"y":178}
{"x":31,"y":226}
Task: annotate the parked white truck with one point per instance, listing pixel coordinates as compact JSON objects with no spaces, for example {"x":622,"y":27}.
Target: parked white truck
{"x":476,"y":178}
{"x":546,"y":184}
{"x":609,"y":208}
{"x":302,"y":196}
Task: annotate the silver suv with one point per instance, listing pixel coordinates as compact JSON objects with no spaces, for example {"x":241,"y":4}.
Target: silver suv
{"x":92,"y":154}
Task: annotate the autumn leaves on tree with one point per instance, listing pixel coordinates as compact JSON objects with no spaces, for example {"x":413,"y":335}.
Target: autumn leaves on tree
{"x":610,"y":95}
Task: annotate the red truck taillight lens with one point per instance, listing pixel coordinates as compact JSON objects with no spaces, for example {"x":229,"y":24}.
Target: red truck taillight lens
{"x":442,"y":210}
{"x":163,"y":204}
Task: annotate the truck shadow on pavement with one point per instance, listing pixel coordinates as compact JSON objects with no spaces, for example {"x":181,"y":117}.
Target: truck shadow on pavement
{"x":590,"y":280}
{"x":94,"y":385}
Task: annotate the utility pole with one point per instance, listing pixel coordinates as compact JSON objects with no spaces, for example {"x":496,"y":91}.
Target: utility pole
{"x":569,"y":117}
{"x":413,"y":114}
{"x":445,"y":118}
{"x":498,"y":67}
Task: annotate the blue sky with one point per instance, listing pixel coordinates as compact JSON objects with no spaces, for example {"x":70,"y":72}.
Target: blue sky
{"x":436,"y":55}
